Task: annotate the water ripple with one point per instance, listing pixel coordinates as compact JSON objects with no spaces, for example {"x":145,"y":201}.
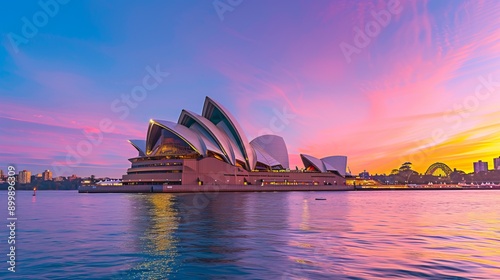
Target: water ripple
{"x":351,"y":235}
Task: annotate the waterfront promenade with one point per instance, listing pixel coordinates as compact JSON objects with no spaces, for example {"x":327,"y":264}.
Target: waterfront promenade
{"x":271,"y":188}
{"x":210,"y":188}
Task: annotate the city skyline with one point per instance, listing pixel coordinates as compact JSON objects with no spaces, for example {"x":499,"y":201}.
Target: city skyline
{"x":489,"y":167}
{"x":423,"y":88}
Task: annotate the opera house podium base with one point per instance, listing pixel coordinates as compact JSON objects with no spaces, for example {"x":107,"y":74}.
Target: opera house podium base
{"x":209,"y":188}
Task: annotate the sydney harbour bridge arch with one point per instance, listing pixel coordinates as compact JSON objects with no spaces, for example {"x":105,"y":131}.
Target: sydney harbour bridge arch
{"x":438,"y":166}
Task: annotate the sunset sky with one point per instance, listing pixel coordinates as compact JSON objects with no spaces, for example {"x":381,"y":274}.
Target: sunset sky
{"x":423,"y":87}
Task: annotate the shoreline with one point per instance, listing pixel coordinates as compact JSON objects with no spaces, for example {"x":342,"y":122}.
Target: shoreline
{"x":209,"y":188}
{"x":259,"y":188}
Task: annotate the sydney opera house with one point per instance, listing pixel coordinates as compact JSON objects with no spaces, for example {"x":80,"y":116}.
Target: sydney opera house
{"x":212,"y":149}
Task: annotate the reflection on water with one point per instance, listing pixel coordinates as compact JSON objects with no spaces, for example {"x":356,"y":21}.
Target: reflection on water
{"x":350,"y":235}
{"x":154,"y":215}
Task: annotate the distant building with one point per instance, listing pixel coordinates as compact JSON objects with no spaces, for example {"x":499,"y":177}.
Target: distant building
{"x":59,"y":179}
{"x":72,"y":177}
{"x":480,"y":166}
{"x":86,"y":182}
{"x":364,"y":175}
{"x":47,"y":175}
{"x":496,"y":163}
{"x":1,"y":174}
{"x":24,"y":177}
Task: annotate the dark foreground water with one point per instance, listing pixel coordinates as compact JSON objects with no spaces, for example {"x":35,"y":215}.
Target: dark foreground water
{"x":351,"y":235}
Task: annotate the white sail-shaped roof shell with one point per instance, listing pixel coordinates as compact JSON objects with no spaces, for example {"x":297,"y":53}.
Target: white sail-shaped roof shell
{"x":337,"y":162}
{"x":274,"y":146}
{"x":210,"y":131}
{"x":209,"y":144}
{"x":264,"y":158}
{"x":328,"y":167}
{"x":184,"y":133}
{"x":315,"y":162}
{"x":140,"y":145}
{"x":237,"y":152}
{"x":240,"y":140}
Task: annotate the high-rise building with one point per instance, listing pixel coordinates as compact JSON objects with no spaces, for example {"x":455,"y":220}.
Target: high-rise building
{"x":1,"y":174}
{"x":480,"y":166}
{"x":496,"y":163}
{"x":47,"y":175}
{"x":24,"y":177}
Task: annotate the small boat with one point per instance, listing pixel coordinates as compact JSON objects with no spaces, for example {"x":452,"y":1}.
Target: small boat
{"x":320,"y":198}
